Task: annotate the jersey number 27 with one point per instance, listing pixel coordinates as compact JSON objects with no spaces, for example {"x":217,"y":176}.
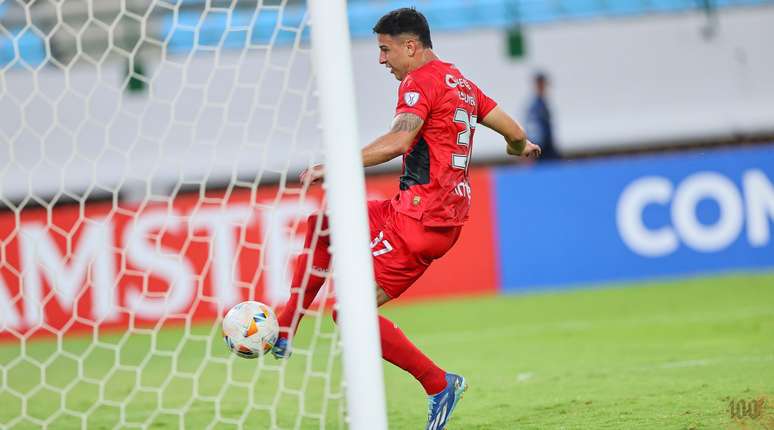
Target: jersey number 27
{"x":461,"y":161}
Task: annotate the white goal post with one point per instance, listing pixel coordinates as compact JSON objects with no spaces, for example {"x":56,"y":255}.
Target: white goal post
{"x":353,"y":273}
{"x":148,"y":156}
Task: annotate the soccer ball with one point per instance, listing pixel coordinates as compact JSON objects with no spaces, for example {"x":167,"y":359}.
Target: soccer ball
{"x":250,"y":329}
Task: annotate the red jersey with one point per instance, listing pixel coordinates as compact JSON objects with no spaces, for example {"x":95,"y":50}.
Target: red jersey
{"x":434,"y":187}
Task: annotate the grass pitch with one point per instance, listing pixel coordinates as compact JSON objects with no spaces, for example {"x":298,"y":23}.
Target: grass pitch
{"x":674,"y":355}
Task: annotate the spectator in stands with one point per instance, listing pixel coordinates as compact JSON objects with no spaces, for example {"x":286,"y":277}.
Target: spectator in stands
{"x":539,"y":126}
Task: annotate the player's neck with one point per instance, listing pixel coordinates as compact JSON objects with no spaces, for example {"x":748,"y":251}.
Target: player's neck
{"x":426,"y":56}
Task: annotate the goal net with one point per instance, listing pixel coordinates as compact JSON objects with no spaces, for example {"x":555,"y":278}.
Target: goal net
{"x":148,"y":156}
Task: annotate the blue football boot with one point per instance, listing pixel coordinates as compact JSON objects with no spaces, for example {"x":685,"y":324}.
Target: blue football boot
{"x":281,"y":348}
{"x":441,"y":405}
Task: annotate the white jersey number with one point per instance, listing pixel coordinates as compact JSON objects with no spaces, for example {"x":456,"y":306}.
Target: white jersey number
{"x":386,"y":246}
{"x":461,"y":161}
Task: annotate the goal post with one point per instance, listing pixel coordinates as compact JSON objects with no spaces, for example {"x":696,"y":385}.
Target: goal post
{"x":345,"y":186}
{"x":147,"y":156}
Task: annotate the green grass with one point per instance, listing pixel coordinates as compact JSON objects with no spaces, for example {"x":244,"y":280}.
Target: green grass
{"x":650,"y":356}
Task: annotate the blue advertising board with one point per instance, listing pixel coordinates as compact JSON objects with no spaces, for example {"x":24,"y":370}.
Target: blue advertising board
{"x":587,"y":222}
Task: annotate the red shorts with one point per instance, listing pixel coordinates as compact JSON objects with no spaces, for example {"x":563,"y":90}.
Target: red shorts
{"x":402,"y":247}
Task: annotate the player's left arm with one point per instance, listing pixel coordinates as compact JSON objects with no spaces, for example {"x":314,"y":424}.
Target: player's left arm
{"x":515,"y":137}
{"x":395,"y":142}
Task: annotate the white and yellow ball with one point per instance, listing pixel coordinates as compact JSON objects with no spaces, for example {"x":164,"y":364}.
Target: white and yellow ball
{"x":250,"y":329}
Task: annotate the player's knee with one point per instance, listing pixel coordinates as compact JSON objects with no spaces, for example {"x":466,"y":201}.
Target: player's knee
{"x":381,"y":296}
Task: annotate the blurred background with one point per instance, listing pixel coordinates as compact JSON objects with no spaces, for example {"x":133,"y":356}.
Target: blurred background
{"x":656,"y":118}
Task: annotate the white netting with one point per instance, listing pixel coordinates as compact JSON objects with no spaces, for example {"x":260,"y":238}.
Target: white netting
{"x":145,"y":151}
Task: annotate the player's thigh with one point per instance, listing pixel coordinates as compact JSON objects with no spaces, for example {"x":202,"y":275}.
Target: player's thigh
{"x":378,"y":215}
{"x":396,"y":268}
{"x":427,"y":243}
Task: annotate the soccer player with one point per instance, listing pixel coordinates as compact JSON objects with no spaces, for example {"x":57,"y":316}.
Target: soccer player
{"x":437,"y":113}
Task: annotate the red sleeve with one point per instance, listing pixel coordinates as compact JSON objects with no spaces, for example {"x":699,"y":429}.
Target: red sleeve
{"x":485,"y":104}
{"x":414,"y":97}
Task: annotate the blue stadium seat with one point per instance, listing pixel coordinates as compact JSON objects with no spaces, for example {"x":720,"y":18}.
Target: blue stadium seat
{"x":189,"y":30}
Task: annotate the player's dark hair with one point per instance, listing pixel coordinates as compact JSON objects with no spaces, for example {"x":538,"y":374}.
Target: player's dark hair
{"x":403,"y":21}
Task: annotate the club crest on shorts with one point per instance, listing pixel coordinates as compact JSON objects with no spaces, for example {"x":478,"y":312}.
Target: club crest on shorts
{"x":411,"y":98}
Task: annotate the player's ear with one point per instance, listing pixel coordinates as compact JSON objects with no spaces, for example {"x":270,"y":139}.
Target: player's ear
{"x":411,"y":47}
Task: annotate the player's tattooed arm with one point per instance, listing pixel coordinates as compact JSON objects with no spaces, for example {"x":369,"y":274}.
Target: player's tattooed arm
{"x":408,"y":122}
{"x":397,"y":141}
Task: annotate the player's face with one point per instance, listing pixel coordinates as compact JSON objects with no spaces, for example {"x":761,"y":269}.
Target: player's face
{"x":394,"y":53}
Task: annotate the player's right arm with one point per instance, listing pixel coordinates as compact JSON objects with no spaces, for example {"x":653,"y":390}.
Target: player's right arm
{"x":513,"y":132}
{"x":394,"y":143}
{"x":411,"y":113}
